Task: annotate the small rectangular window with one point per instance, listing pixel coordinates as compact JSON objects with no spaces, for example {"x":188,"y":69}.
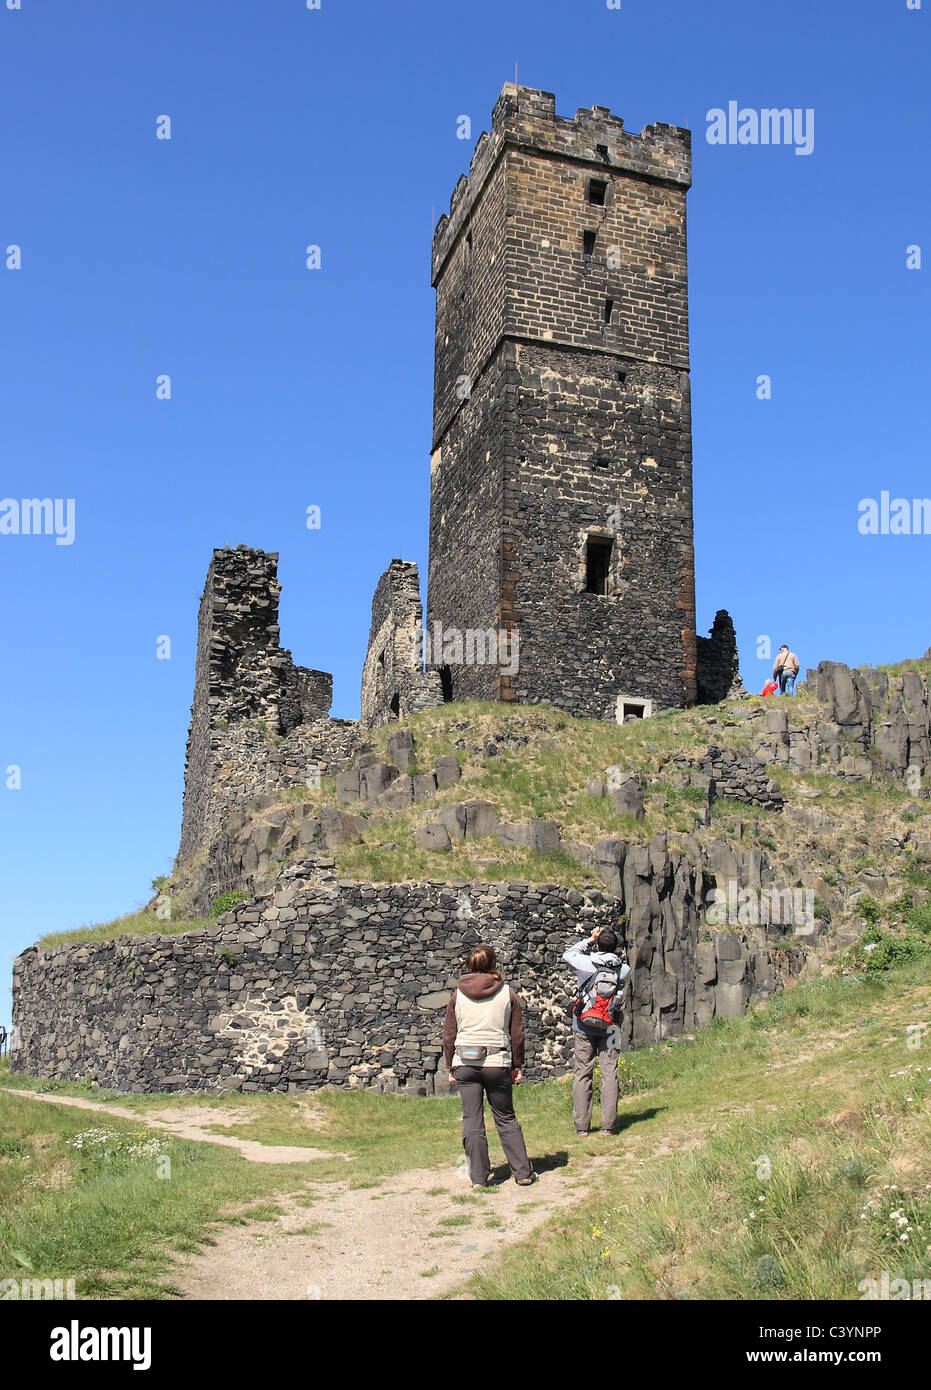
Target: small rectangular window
{"x":632,"y":709}
{"x":609,"y":306}
{"x":588,"y":243}
{"x":622,"y":377}
{"x":602,"y":150}
{"x":597,"y":188}
{"x":597,"y":564}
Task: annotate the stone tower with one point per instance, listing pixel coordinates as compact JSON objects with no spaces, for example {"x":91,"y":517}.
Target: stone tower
{"x":561,"y":479}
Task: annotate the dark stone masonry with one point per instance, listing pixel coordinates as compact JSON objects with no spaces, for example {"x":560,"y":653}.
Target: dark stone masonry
{"x":394,"y":683}
{"x":718,"y":663}
{"x":258,"y":722}
{"x":308,"y":986}
{"x":561,"y":497}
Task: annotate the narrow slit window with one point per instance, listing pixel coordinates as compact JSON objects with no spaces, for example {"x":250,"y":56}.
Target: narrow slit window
{"x":602,"y":150}
{"x":597,"y":189}
{"x":597,"y":564}
{"x":609,"y":309}
{"x":588,"y":243}
{"x":622,"y":377}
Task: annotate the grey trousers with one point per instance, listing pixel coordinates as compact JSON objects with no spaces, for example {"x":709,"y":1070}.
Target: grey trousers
{"x":473,"y":1084}
{"x":586,"y":1050}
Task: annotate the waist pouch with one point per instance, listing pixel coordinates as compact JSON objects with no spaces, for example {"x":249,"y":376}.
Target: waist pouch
{"x":473,"y":1055}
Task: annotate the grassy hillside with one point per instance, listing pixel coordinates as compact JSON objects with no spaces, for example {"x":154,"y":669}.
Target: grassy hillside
{"x":536,"y":762}
{"x":786,"y":1154}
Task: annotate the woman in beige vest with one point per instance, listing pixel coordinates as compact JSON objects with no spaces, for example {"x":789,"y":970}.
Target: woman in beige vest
{"x":483,"y":1043}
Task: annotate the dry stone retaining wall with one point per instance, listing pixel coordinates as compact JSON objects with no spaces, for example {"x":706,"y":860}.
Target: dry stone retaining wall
{"x":346,"y":985}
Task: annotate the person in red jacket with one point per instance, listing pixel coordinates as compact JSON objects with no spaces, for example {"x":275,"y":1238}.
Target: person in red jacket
{"x":483,"y":1043}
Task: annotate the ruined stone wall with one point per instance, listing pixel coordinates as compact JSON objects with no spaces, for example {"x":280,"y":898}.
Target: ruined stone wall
{"x":718,"y":665}
{"x":347,"y":985}
{"x":394,"y":683}
{"x":257,"y":719}
{"x":561,"y":409}
{"x":247,"y":762}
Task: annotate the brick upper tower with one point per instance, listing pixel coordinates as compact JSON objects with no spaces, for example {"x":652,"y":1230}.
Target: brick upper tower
{"x":561,"y":498}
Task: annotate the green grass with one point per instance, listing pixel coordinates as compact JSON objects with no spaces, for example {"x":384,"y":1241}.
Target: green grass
{"x":789,"y":1106}
{"x":132,"y":924}
{"x":114,"y":1227}
{"x":818,"y":1101}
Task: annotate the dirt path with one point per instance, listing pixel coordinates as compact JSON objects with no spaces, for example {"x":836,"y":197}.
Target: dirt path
{"x":382,"y":1242}
{"x":403,"y":1238}
{"x":389,"y":1241}
{"x":189,"y":1123}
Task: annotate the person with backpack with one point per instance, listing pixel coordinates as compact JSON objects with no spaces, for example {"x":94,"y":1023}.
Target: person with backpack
{"x":596,"y":1017}
{"x":483,"y":1043}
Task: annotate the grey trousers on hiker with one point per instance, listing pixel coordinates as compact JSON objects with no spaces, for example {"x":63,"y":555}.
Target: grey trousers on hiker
{"x":473,"y":1084}
{"x":586,"y":1050}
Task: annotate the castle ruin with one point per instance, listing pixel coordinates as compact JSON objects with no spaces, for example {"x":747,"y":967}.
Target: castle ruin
{"x":561,"y":553}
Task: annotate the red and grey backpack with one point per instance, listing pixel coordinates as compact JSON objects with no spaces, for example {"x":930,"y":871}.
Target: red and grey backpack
{"x":598,"y":1004}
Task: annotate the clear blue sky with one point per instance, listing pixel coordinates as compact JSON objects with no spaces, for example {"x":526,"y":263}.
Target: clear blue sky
{"x":291,"y":387}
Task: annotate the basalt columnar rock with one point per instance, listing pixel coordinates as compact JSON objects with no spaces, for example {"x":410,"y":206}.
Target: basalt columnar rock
{"x":869,"y":724}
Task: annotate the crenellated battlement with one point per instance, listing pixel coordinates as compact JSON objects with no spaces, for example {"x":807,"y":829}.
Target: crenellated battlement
{"x":524,"y":116}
